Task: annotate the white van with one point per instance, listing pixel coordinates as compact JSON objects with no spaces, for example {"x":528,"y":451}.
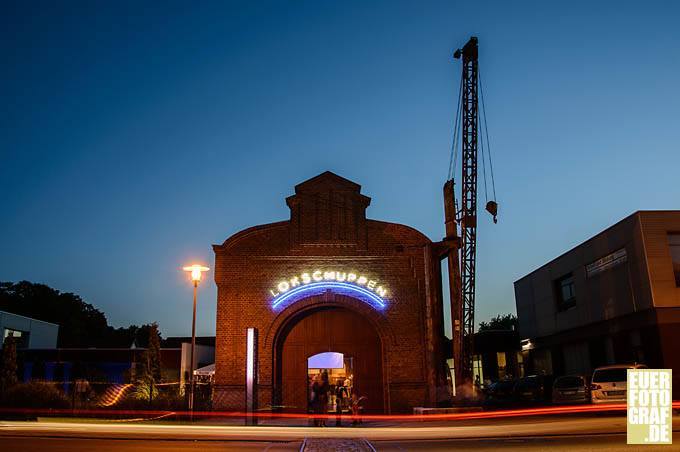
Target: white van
{"x":609,"y":383}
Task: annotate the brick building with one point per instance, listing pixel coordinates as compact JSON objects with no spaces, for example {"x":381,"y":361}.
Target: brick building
{"x":614,"y":299}
{"x":329,"y":280}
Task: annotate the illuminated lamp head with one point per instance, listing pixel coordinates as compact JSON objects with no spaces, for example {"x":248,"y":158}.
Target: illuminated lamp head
{"x":320,"y":288}
{"x":196,"y":271}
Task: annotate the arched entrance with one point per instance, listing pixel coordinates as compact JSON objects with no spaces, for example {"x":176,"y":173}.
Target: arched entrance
{"x":328,"y":329}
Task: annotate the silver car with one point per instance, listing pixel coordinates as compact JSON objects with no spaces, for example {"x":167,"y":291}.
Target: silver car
{"x":609,"y":383}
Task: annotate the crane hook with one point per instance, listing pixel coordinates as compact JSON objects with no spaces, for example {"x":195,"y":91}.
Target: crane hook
{"x":492,"y":208}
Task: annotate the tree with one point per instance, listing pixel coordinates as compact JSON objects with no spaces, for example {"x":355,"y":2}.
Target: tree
{"x":500,"y":322}
{"x":153,"y":352}
{"x":143,"y":334}
{"x":8,"y":373}
{"x":151,"y":365}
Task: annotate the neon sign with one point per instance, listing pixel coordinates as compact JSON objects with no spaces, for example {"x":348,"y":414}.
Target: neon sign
{"x":318,"y":282}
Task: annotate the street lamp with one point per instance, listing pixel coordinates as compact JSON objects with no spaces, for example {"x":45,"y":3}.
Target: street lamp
{"x":196,"y":271}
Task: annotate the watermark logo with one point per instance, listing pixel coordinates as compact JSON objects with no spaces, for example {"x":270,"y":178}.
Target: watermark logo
{"x":649,"y":406}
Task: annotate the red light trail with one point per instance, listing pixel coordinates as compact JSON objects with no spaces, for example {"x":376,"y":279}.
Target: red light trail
{"x":492,"y":414}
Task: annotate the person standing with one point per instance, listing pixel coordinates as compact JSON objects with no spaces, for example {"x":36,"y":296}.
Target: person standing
{"x":316,"y":402}
{"x":340,"y":397}
{"x":322,"y":395}
{"x":311,"y":396}
{"x":320,"y":390}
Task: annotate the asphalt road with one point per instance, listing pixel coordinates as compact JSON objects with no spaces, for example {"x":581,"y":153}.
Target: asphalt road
{"x":593,"y":433}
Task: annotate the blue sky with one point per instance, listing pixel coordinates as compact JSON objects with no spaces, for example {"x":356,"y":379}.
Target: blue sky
{"x":135,"y":135}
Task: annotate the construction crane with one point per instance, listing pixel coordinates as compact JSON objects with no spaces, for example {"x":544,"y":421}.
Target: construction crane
{"x":462,"y":249}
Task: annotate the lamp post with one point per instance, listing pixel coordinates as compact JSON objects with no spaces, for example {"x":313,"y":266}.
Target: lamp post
{"x":196,"y":271}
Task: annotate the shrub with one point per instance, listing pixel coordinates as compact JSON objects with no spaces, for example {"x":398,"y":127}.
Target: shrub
{"x":35,"y":394}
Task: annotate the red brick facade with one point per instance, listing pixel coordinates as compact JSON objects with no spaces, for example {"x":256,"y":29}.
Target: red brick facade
{"x":328,"y":230}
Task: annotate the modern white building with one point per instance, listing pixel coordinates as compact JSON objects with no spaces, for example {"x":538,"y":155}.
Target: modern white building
{"x":28,"y":332}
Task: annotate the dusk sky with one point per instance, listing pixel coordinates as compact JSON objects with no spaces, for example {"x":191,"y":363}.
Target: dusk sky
{"x":133,"y":136}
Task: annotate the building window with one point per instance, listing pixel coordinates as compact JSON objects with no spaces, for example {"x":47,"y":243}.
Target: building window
{"x":674,"y":245}
{"x":502,"y":365}
{"x":477,"y":372}
{"x":566,"y":293}
{"x":520,"y":363}
{"x":20,"y":337}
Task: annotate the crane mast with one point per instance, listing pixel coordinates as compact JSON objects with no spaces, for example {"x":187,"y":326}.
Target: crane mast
{"x":468,"y":214}
{"x":462,"y":250}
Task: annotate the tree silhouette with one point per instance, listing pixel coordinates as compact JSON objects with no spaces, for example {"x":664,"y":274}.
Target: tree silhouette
{"x":80,"y":323}
{"x":500,"y":322}
{"x":153,"y":352}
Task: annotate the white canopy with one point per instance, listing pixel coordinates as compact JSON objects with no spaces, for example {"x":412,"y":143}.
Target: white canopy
{"x":208,"y":370}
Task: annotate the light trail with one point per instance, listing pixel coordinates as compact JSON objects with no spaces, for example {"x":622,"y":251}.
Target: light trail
{"x":496,"y":414}
{"x":114,"y":394}
{"x":581,"y":426}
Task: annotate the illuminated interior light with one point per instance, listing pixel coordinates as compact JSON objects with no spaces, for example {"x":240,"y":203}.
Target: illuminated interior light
{"x":319,"y":288}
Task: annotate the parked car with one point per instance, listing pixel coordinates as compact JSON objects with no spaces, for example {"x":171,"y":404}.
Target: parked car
{"x":500,"y":393}
{"x":533,"y":389}
{"x":609,"y":383}
{"x":571,"y":389}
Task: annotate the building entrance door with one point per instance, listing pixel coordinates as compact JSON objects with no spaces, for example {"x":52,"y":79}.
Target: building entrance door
{"x":338,"y":370}
{"x":337,"y":330}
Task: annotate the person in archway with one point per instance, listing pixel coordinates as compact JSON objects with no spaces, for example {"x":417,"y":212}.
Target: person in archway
{"x":314,"y":402}
{"x":340,"y":397}
{"x":324,"y":388}
{"x":320,"y":390}
{"x":310,"y":393}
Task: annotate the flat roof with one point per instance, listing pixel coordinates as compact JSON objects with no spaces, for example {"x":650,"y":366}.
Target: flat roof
{"x":636,"y":213}
{"x":29,"y":318}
